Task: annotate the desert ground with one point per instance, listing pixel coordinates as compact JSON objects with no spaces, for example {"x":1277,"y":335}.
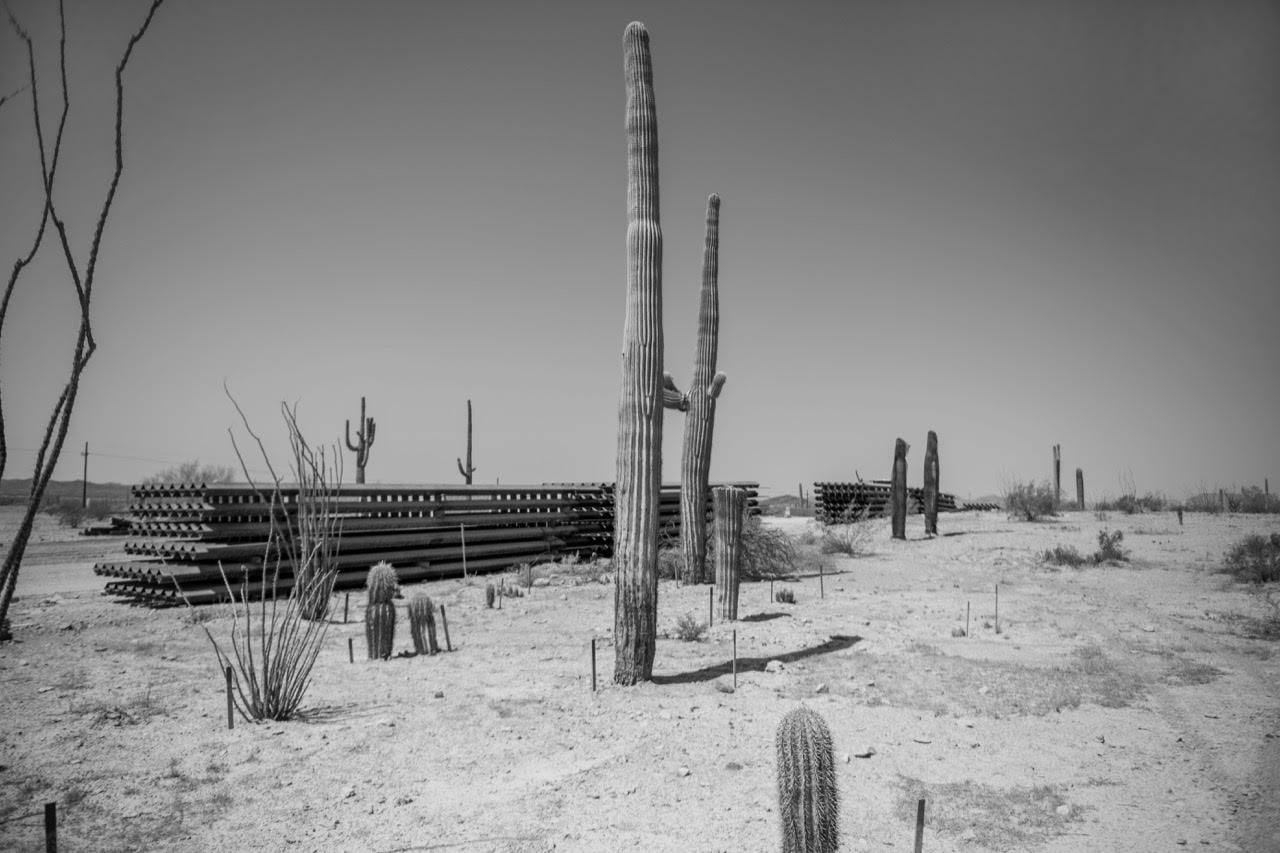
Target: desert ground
{"x":1130,"y":707}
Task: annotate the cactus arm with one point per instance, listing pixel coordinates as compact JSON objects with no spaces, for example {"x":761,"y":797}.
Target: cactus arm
{"x":716,"y":386}
{"x":467,"y":470}
{"x":350,"y":446}
{"x":672,"y":396}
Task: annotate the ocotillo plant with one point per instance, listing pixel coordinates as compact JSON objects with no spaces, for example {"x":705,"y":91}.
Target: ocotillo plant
{"x":730,"y":507}
{"x":422,"y":624}
{"x":931,"y":479}
{"x":699,"y":423}
{"x":1079,"y":488}
{"x":364,"y":441}
{"x":640,"y":409}
{"x":468,"y":469}
{"x":380,"y":612}
{"x":898,"y":490}
{"x":808,"y":797}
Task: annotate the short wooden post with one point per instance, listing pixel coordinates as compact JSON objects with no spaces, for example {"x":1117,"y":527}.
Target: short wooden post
{"x":444,"y":621}
{"x":711,"y":605}
{"x":462,"y":531}
{"x":735,"y":658}
{"x":346,"y":606}
{"x":1057,"y":474}
{"x":231,"y":720}
{"x":966,"y":618}
{"x":919,"y":826}
{"x":822,"y":587}
{"x":898,"y":490}
{"x":1179,"y":516}
{"x":51,"y":827}
{"x":997,"y":608}
{"x":771,"y":590}
{"x":593,"y":664}
{"x":502,"y":591}
{"x":351,"y":650}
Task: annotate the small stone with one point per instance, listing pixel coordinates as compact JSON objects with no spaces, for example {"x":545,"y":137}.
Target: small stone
{"x":866,"y":753}
{"x":439,"y":694}
{"x":821,"y":688}
{"x":724,"y":685}
{"x":683,"y":771}
{"x":733,"y":765}
{"x":847,"y":758}
{"x":349,"y":793}
{"x":1150,"y":629}
{"x":957,"y":632}
{"x":403,"y":800}
{"x":771,"y":666}
{"x":984,"y":690}
{"x":1063,"y":810}
{"x":542,"y":582}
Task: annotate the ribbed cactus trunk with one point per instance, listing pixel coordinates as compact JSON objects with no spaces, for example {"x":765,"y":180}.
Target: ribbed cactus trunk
{"x":635,"y":540}
{"x":931,"y":478}
{"x":1057,"y":474}
{"x":808,"y":796}
{"x":364,"y":441}
{"x":468,"y":470}
{"x":1079,"y":488}
{"x":730,"y":507}
{"x":699,"y":422}
{"x":898,"y":490}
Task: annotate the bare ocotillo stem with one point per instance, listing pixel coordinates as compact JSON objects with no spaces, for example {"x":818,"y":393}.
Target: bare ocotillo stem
{"x":593,"y":664}
{"x":898,"y":492}
{"x":730,"y":506}
{"x":468,"y":469}
{"x":931,"y":472}
{"x":640,"y":407}
{"x":1079,"y":488}
{"x":364,"y":441}
{"x":231,"y":720}
{"x":699,"y":422}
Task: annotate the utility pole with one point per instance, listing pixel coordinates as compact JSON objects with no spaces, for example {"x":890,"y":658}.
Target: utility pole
{"x":84,"y":484}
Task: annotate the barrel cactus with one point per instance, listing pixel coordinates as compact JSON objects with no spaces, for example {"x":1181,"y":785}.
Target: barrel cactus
{"x":380,"y":612}
{"x":808,"y":798}
{"x":422,"y":624}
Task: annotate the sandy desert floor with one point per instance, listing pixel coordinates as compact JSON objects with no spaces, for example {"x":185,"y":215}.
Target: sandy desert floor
{"x":1122,"y":707}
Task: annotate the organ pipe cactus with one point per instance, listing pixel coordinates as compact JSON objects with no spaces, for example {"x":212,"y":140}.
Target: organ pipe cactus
{"x":380,"y":612}
{"x":730,"y":506}
{"x":422,"y":624}
{"x":640,"y":408}
{"x":931,"y":484}
{"x":808,"y":797}
{"x":467,"y":470}
{"x":704,"y":389}
{"x":898,"y":491}
{"x":364,"y":441}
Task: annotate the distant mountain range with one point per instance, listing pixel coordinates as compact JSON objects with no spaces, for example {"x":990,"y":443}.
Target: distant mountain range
{"x":16,"y":491}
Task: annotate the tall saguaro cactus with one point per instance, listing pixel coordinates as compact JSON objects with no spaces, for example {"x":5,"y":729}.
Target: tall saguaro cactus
{"x":898,"y":489}
{"x":640,"y":408}
{"x":704,"y":390}
{"x":931,"y":478}
{"x":730,"y":507}
{"x":468,"y":469}
{"x":364,"y":441}
{"x":808,"y":795}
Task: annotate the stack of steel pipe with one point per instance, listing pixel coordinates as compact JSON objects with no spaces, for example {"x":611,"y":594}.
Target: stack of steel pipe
{"x":836,"y":503}
{"x":197,"y":539}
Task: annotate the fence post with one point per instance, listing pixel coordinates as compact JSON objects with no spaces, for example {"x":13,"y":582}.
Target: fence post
{"x":51,"y":827}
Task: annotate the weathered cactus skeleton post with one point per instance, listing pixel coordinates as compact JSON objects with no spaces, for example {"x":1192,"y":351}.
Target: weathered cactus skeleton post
{"x":931,"y":475}
{"x":898,"y":490}
{"x":1079,"y":488}
{"x":699,"y":422}
{"x":730,"y":507}
{"x":467,"y":470}
{"x":640,"y":409}
{"x":364,"y":441}
{"x":1057,"y":474}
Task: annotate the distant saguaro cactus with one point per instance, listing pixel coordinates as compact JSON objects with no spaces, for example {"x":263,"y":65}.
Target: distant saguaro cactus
{"x":467,"y":470}
{"x":730,"y":508}
{"x":1079,"y":488}
{"x":640,"y":408}
{"x":422,"y":624}
{"x":380,"y":611}
{"x":898,"y":489}
{"x":364,"y":441}
{"x":931,"y":479}
{"x":1057,"y":474}
{"x":808,"y":796}
{"x":699,"y":423}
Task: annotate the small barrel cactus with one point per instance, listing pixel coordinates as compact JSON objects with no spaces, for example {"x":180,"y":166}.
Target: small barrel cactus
{"x":380,"y":612}
{"x":489,"y":594}
{"x":808,"y":799}
{"x":422,"y":624}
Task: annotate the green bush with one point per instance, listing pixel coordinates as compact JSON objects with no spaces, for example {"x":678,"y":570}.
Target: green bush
{"x":1109,"y":547}
{"x":1064,"y":555}
{"x":1030,"y":501}
{"x":1254,"y":559}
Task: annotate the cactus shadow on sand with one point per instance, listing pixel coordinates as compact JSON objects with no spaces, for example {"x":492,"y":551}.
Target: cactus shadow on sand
{"x":837,"y":643}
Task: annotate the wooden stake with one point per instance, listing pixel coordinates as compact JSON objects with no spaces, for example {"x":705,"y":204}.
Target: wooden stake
{"x":771,"y":590}
{"x":231,"y":720}
{"x":711,"y":604}
{"x":593,"y":664}
{"x":822,"y":589}
{"x":919,"y":826}
{"x":997,"y":608}
{"x":502,"y":591}
{"x":966,"y":618}
{"x":444,"y":620}
{"x":462,"y":530}
{"x":735,"y":659}
{"x":351,"y":650}
{"x":51,"y":827}
{"x":346,"y":606}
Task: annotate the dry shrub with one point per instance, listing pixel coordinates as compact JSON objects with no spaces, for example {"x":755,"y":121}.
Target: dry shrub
{"x":1064,"y":555}
{"x":852,"y":537}
{"x":1109,"y":547}
{"x":1030,"y":501}
{"x":1254,"y":559}
{"x":689,"y":628}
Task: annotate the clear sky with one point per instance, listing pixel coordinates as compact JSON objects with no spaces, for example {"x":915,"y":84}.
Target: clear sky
{"x":1017,"y":223}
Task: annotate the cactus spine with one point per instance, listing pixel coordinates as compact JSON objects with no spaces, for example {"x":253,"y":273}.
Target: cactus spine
{"x":931,"y":485}
{"x":467,"y":470}
{"x":380,"y":612}
{"x":898,"y":491}
{"x":730,"y":506}
{"x":704,"y":389}
{"x":640,"y":408}
{"x":422,"y":624}
{"x":808,"y":797}
{"x":364,"y":441}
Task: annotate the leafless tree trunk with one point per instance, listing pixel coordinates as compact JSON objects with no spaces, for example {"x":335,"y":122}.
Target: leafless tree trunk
{"x":82,"y":277}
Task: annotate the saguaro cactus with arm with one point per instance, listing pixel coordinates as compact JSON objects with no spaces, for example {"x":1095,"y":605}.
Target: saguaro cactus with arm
{"x":704,"y":390}
{"x":364,"y":441}
{"x":469,"y":469}
{"x":640,"y":408}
